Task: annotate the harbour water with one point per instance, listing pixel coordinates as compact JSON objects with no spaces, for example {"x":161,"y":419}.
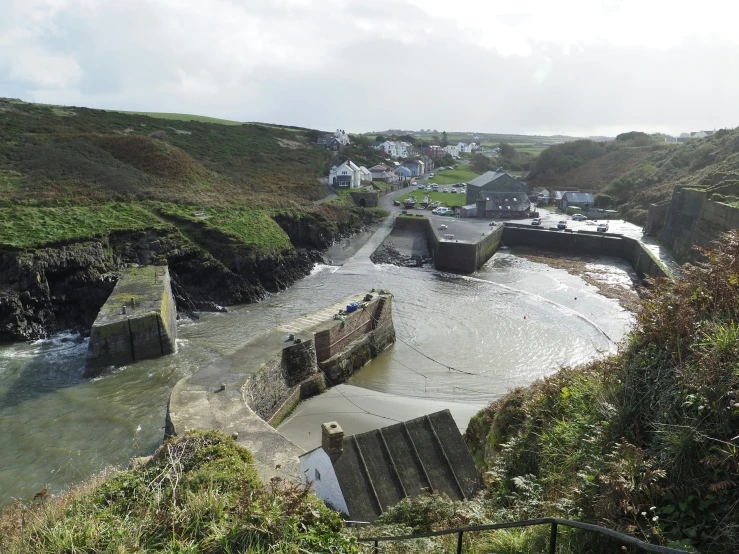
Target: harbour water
{"x":462,"y":342}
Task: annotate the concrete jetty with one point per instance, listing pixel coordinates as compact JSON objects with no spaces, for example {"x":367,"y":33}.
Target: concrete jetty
{"x":247,"y":394}
{"x":138,"y":321}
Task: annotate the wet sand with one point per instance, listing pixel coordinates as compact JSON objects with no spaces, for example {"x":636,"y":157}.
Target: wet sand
{"x":359,"y":410}
{"x":618,"y":285}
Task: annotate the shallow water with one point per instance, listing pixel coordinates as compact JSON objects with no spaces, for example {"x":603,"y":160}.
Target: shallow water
{"x":461,"y":340}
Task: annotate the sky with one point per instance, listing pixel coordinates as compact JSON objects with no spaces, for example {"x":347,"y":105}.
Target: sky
{"x":576,"y":67}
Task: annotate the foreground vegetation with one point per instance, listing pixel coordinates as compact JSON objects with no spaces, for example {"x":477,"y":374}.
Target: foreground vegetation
{"x":198,"y":493}
{"x":645,"y":441}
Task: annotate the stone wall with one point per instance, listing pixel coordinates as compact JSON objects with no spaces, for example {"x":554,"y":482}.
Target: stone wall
{"x":361,"y":340}
{"x":696,"y":218}
{"x":138,"y":321}
{"x":366,"y":199}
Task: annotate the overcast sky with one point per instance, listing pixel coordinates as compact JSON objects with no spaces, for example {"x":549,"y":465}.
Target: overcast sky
{"x":579,"y":67}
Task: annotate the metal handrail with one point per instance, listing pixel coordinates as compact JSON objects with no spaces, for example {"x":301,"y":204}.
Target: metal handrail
{"x":553,"y":521}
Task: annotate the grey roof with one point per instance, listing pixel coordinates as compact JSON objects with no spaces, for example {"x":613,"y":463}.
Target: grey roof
{"x":558,"y":194}
{"x":578,"y":197}
{"x":379,"y":167}
{"x":379,"y":468}
{"x":498,"y":180}
{"x":507,"y":201}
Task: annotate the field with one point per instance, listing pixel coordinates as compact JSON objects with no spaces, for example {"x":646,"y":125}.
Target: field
{"x":446,"y":198}
{"x":452,"y":176}
{"x":185,"y":117}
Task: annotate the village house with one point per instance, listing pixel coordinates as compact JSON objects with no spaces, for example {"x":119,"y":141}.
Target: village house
{"x":582,"y":200}
{"x":434,"y":151}
{"x":396,"y":149}
{"x":329,"y":142}
{"x":341,"y":136}
{"x":503,"y":204}
{"x":363,"y":475}
{"x":403,"y":173}
{"x":415,"y":166}
{"x":452,"y":150}
{"x":383,"y":173}
{"x":428,"y":163}
{"x":345,"y":175}
{"x":365,"y":174}
{"x":495,"y":181}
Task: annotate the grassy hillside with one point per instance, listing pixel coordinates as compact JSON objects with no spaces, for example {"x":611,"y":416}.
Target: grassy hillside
{"x":644,"y":441}
{"x":186,"y":117}
{"x":630,"y":174}
{"x":198,"y":493}
{"x":73,"y":173}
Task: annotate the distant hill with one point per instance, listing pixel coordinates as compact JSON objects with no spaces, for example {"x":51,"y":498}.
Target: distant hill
{"x":631,"y":174}
{"x":186,"y":117}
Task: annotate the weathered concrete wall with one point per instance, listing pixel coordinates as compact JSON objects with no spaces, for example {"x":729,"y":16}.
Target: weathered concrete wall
{"x":258,"y":385}
{"x":585,"y":242}
{"x":656,"y":218}
{"x":138,"y":321}
{"x":696,"y":217}
{"x":344,"y":348}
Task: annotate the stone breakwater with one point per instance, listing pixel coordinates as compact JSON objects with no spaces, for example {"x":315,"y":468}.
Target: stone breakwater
{"x":138,"y":321}
{"x":248,"y":393}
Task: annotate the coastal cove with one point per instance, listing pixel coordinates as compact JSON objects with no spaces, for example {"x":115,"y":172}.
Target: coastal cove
{"x":59,"y":427}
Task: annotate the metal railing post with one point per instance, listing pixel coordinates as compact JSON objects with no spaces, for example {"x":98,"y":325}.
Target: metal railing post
{"x":377,"y":548}
{"x":553,"y":538}
{"x":459,"y":542}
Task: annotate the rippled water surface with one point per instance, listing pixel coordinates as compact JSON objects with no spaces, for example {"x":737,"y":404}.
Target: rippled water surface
{"x":460,"y":339}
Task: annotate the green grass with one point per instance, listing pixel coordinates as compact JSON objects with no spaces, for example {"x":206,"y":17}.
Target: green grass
{"x":185,"y":117}
{"x":446,"y":198}
{"x":198,"y":493}
{"x":30,"y":227}
{"x":451,"y":176}
{"x":252,"y":228}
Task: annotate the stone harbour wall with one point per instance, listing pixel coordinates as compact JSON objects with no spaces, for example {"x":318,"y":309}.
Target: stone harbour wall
{"x":138,"y":321}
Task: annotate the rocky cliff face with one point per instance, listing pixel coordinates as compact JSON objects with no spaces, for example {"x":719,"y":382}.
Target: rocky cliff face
{"x":54,"y":289}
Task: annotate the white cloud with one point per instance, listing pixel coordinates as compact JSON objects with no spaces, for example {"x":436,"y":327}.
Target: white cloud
{"x":577,"y":66}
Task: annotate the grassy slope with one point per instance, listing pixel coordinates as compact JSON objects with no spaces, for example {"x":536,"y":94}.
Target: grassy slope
{"x":198,"y":493}
{"x":78,"y":173}
{"x":631,"y":177}
{"x":462,"y":174}
{"x":186,"y":117}
{"x":643,"y":441}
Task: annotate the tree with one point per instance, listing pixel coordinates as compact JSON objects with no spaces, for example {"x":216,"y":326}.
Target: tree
{"x":380,"y":138}
{"x":480,"y":163}
{"x":444,"y":140}
{"x":507,"y":150}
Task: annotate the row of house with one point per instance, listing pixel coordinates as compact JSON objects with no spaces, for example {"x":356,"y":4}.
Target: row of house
{"x":395,"y":149}
{"x":402,"y":172}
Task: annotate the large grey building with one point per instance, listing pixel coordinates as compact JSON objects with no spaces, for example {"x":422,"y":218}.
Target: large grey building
{"x":494,"y":182}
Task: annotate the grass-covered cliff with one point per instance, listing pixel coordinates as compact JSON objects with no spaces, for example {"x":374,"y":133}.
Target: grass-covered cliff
{"x":637,"y":170}
{"x":198,"y":493}
{"x":647,"y":441}
{"x":228,"y":207}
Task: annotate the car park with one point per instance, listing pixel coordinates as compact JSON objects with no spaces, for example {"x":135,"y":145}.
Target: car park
{"x":536,"y":221}
{"x":579,"y":217}
{"x":562,"y":224}
{"x":602,"y":228}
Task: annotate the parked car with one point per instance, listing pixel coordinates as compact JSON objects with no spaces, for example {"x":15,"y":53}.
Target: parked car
{"x":578,"y":217}
{"x":396,"y":202}
{"x":562,"y":224}
{"x":536,"y":221}
{"x":442,"y":226}
{"x":602,"y":228}
{"x":435,"y":187}
{"x":445,"y":190}
{"x":431,"y":174}
{"x":428,"y":187}
{"x":454,"y":191}
{"x":420,"y":187}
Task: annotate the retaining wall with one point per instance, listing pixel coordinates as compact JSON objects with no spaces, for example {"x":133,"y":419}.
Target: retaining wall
{"x":246,"y":393}
{"x":138,"y":321}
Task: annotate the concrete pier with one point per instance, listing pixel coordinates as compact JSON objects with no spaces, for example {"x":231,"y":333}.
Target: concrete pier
{"x":247,"y":394}
{"x":138,"y":321}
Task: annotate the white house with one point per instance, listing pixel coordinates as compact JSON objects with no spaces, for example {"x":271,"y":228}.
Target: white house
{"x":341,"y":137}
{"x":363,"y":475}
{"x":452,"y":150}
{"x":365,"y":174}
{"x":389,"y":148}
{"x":396,"y":149}
{"x":347,"y":174}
